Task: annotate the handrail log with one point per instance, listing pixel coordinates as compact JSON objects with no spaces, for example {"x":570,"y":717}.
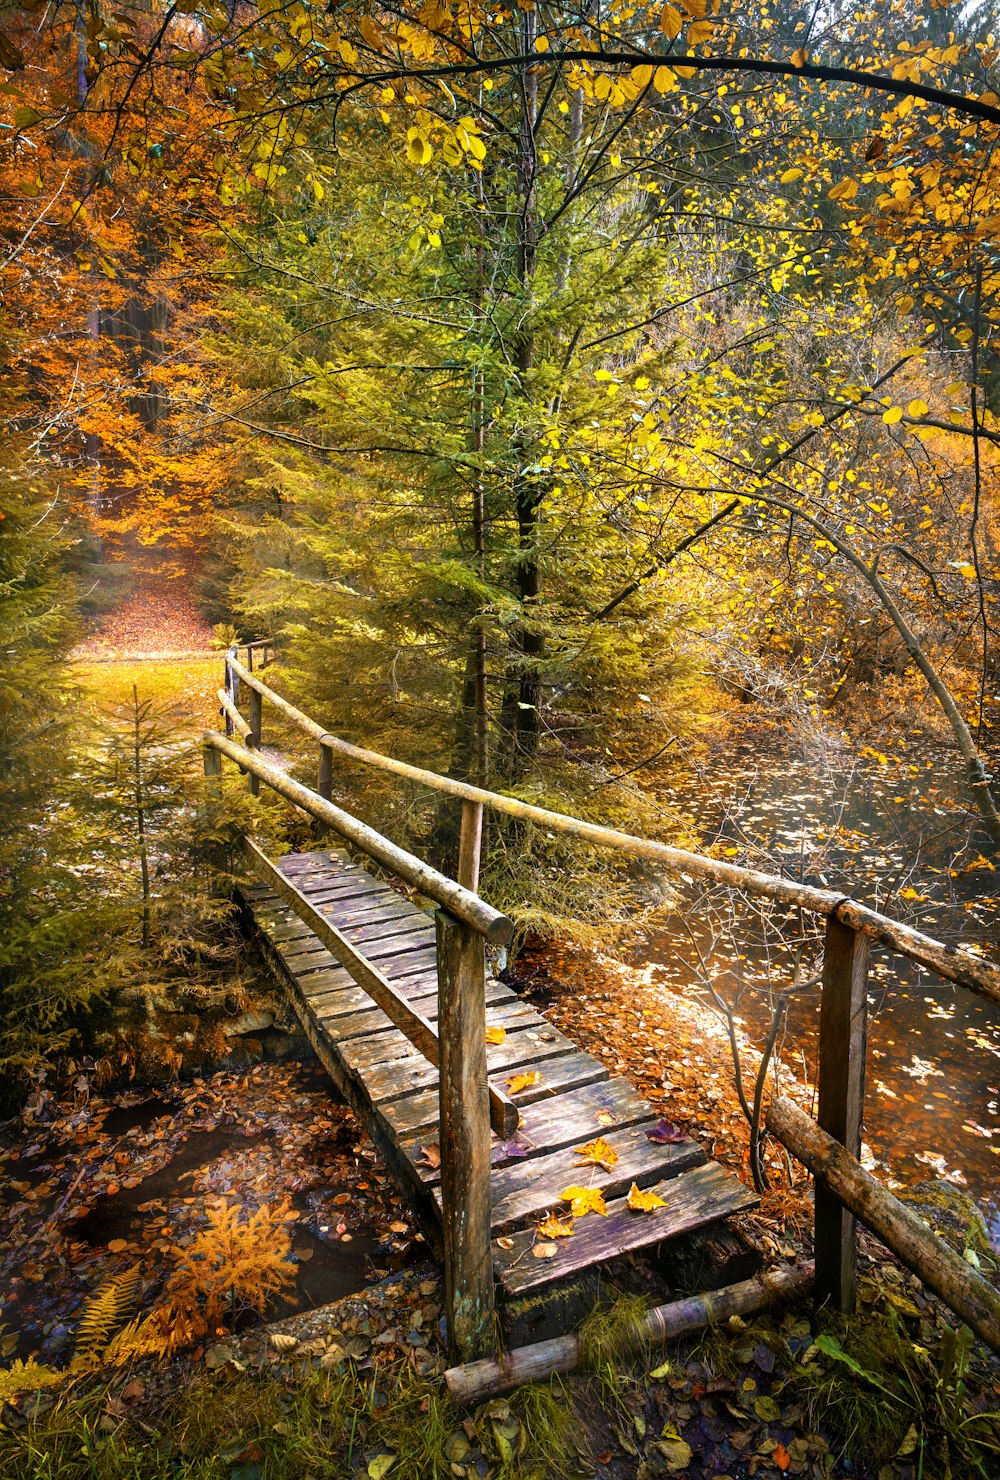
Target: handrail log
{"x":504,"y":1116}
{"x":236,"y":719}
{"x":465,"y":906}
{"x":941,"y":1269}
{"x":951,"y":962}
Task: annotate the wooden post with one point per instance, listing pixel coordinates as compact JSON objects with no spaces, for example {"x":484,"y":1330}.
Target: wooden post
{"x":256,"y":726}
{"x":465,"y":1140}
{"x":470,"y":846}
{"x":232,"y":677}
{"x":324,"y":784}
{"x":250,"y":656}
{"x":843,"y":1033}
{"x":213,"y":766}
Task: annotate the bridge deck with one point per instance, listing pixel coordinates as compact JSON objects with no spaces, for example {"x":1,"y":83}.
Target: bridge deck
{"x":394,"y":1089}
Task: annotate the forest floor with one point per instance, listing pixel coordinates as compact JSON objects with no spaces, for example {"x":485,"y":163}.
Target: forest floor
{"x":344,"y":1379}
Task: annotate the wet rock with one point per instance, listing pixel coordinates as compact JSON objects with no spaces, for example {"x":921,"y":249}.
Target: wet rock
{"x":248,"y":1022}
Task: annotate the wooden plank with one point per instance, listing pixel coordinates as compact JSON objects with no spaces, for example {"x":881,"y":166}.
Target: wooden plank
{"x":502,"y":1011}
{"x":373,"y":931}
{"x":843,"y":1028}
{"x":560,"y":1120}
{"x":464,"y":1141}
{"x":380,"y":1059}
{"x":693,"y":1199}
{"x":417,"y":1030}
{"x":529,"y":1188}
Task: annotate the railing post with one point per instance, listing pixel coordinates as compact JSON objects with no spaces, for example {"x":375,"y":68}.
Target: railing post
{"x":464,"y":1140}
{"x":470,"y":846}
{"x":843,"y":1033}
{"x":324,"y":784}
{"x":232,"y":677}
{"x":256,"y":727}
{"x":213,"y":764}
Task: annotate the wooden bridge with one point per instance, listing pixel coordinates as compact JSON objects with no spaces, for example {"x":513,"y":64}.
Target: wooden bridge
{"x":481,"y":1107}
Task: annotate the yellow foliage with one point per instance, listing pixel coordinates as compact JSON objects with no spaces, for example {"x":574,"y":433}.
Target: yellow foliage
{"x":25,"y":1377}
{"x":106,"y":1309}
{"x":232,"y":1261}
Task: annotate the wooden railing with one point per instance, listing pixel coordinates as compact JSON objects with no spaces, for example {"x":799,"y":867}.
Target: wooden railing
{"x":850,"y":929}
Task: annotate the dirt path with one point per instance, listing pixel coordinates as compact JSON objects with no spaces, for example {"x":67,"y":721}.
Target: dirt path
{"x":157,"y":619}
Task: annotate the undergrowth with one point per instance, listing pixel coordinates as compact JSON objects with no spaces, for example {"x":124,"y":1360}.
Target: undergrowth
{"x":226,"y":1426}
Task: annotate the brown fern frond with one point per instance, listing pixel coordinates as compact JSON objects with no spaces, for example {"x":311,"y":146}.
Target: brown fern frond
{"x":103,"y":1312}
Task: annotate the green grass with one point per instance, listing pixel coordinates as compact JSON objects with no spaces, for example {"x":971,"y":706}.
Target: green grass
{"x":314,"y":1426}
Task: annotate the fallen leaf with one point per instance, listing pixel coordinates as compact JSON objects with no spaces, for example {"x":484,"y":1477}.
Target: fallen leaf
{"x":676,"y":1453}
{"x":431,"y":1155}
{"x":598,"y":1153}
{"x":510,"y":1150}
{"x":517,"y":1082}
{"x":554,"y":1227}
{"x":495,"y":1035}
{"x":545,"y":1251}
{"x":643,"y":1202}
{"x":604,"y":1117}
{"x":117,"y":1245}
{"x":781,"y":1456}
{"x":584,"y":1200}
{"x":380,"y":1466}
{"x":505,"y":1243}
{"x":665,"y":1134}
{"x":282,"y":1342}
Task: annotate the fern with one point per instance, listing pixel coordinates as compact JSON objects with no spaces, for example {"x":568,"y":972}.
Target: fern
{"x":162,"y":1332}
{"x":232,"y":1262}
{"x":104,"y":1311}
{"x":25,"y":1377}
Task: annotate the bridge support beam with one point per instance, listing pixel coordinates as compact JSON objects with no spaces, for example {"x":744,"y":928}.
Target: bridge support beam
{"x":843,"y":1035}
{"x":465,"y":1141}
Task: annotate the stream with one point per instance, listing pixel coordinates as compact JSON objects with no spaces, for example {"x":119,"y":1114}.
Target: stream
{"x":877,"y":827}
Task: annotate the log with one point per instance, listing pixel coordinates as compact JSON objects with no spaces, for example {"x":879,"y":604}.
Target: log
{"x":465,"y":906}
{"x":423,"y":1035}
{"x":465,"y":1141}
{"x":843,"y":1035}
{"x":474,"y":1381}
{"x":470,"y":845}
{"x":951,"y":962}
{"x":973,"y":1299}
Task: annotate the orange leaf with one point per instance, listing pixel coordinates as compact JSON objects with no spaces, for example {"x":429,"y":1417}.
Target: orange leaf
{"x":598,"y":1153}
{"x":781,"y":1456}
{"x":643,"y":1202}
{"x":495,"y":1035}
{"x":584,"y":1200}
{"x":545,"y":1251}
{"x":430,"y":1155}
{"x":517,"y":1082}
{"x":554,"y":1227}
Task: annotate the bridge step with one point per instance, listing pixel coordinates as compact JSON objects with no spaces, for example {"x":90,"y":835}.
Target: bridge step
{"x":394,"y":1089}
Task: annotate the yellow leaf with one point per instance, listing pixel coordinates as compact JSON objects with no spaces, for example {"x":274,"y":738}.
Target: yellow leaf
{"x":969,"y":571}
{"x":517,"y":1082}
{"x":671,"y":22}
{"x":643,"y":1202}
{"x":699,"y":32}
{"x":789,"y":176}
{"x":584,"y":1200}
{"x":541,"y":43}
{"x":642,"y":76}
{"x":799,"y":58}
{"x":554,"y":1227}
{"x":844,"y":190}
{"x":894,"y":414}
{"x":664,"y":80}
{"x":418,"y":150}
{"x":696,"y":8}
{"x":917,"y":408}
{"x":493,"y":1035}
{"x":598,"y":1153}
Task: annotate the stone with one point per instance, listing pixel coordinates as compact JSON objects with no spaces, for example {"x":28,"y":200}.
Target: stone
{"x":248,"y":1022}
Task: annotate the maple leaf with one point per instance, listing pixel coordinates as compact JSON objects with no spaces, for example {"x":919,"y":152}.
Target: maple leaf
{"x":495,"y":1035}
{"x":584,"y":1200}
{"x":665,"y":1134}
{"x":517,"y":1082}
{"x":598,"y":1153}
{"x":555,"y":1227}
{"x":643,"y":1202}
